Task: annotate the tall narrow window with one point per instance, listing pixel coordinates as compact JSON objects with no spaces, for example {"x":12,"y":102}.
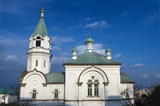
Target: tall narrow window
{"x":96,"y":88}
{"x":89,"y":88}
{"x":56,"y":94}
{"x":34,"y":94}
{"x":44,"y":64}
{"x":127,"y":93}
{"x":38,"y":41}
{"x":36,"y":63}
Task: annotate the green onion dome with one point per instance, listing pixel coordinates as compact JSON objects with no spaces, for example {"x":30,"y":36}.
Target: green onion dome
{"x":108,"y":50}
{"x":89,"y":40}
{"x":74,"y":49}
{"x":42,"y":11}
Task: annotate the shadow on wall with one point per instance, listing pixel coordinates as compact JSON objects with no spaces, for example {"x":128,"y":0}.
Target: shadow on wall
{"x":31,"y":102}
{"x":111,"y":101}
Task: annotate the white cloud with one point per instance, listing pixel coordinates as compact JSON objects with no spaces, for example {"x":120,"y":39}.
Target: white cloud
{"x":56,"y":48}
{"x":16,"y":59}
{"x":81,"y":49}
{"x":151,"y":19}
{"x":97,"y":47}
{"x":145,"y":76}
{"x":99,"y":24}
{"x":87,"y":19}
{"x":118,"y":55}
{"x":11,"y":57}
{"x":64,"y":54}
{"x":59,"y":60}
{"x":10,"y":38}
{"x":158,"y":76}
{"x":59,"y":40}
{"x":55,"y":28}
{"x":138,"y":65}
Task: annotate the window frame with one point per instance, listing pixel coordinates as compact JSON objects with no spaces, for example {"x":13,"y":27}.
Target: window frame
{"x":56,"y":94}
{"x":38,"y":41}
{"x":34,"y":94}
{"x":36,"y":63}
{"x":93,"y":87}
{"x":89,"y":87}
{"x":44,"y":64}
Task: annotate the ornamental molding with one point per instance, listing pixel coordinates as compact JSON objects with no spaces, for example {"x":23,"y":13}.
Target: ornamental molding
{"x":105,"y":83}
{"x":79,"y":83}
{"x":44,"y":84}
{"x":23,"y":84}
{"x":93,"y":67}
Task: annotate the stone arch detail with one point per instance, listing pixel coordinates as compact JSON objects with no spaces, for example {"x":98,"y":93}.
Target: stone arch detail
{"x":28,"y":74}
{"x":106,"y":80}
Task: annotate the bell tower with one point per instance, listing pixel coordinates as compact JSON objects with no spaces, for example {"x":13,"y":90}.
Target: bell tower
{"x":39,"y":53}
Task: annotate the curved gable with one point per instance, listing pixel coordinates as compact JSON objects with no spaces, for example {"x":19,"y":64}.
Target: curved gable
{"x":34,"y":72}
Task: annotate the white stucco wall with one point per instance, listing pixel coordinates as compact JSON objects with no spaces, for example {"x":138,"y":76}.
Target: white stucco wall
{"x":45,"y":92}
{"x":41,"y":54}
{"x":8,"y":98}
{"x":74,"y":92}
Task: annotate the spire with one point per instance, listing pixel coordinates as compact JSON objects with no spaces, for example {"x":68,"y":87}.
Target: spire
{"x":42,"y":12}
{"x":41,"y":28}
{"x":108,"y":52}
{"x":74,"y":53}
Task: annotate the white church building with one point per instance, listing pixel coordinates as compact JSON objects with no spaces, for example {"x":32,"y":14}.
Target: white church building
{"x":90,"y":79}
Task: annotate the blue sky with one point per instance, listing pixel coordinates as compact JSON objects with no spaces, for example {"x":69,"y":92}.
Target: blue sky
{"x":130,"y":27}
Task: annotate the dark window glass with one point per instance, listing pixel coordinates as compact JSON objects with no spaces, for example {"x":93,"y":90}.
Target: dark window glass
{"x":56,"y":94}
{"x":34,"y":94}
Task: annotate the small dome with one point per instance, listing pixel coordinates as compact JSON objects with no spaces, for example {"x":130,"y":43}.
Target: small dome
{"x":74,"y":49}
{"x":42,"y":11}
{"x":89,"y":40}
{"x":108,"y":50}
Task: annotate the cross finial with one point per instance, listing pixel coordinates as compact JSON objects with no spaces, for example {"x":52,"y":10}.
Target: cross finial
{"x":42,"y":3}
{"x":107,"y":45}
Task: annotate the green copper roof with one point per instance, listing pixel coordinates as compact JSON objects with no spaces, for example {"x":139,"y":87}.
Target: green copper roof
{"x":108,"y":50}
{"x":55,"y":77}
{"x":125,"y":78}
{"x":59,"y":77}
{"x":6,"y":91}
{"x":41,"y":28}
{"x":42,"y":11}
{"x":91,"y":58}
{"x":89,"y":40}
{"x":74,"y":49}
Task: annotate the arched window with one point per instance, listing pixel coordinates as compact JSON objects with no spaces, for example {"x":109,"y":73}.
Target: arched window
{"x":56,"y":94}
{"x":34,"y":94}
{"x":96,"y":90}
{"x":38,"y":41}
{"x":89,"y":88}
{"x":93,"y":86}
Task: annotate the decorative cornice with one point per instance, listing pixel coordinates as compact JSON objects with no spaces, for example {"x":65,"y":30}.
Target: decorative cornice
{"x":44,"y":84}
{"x":33,"y":71}
{"x":127,"y":82}
{"x":79,"y":83}
{"x":44,"y":100}
{"x":74,"y":64}
{"x":91,"y":68}
{"x":23,"y":84}
{"x":106,"y":83}
{"x":57,"y":83}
